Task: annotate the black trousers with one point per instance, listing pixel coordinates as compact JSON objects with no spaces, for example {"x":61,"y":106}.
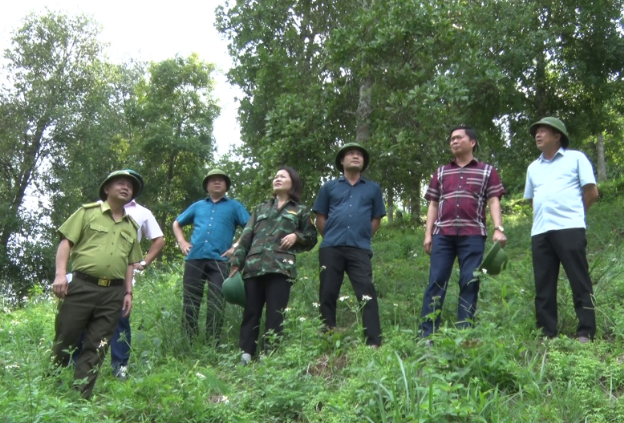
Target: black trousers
{"x":272,"y":289}
{"x":334,"y":262}
{"x":196,"y":274}
{"x":566,"y":247}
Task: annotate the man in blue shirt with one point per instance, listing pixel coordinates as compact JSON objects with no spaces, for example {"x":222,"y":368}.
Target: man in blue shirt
{"x":214,"y":221}
{"x":561,"y":187}
{"x":348,"y":213}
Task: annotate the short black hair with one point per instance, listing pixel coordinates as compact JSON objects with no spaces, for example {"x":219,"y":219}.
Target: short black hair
{"x":295,"y":189}
{"x":471,"y":133}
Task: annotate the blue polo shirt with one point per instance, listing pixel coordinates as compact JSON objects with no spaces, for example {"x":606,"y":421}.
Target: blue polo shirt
{"x":214,"y":226}
{"x":349,"y":210}
{"x":556,"y":188}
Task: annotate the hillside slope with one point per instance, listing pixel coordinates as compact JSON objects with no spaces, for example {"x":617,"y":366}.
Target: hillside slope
{"x":500,"y":371}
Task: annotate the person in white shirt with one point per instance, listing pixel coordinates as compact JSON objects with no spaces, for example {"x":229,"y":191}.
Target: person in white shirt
{"x":561,"y":187}
{"x":148,"y":228}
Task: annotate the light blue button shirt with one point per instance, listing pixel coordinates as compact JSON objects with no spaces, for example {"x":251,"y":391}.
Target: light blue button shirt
{"x":556,"y":188}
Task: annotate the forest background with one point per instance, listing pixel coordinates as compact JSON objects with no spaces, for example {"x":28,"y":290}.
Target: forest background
{"x":393,"y":75}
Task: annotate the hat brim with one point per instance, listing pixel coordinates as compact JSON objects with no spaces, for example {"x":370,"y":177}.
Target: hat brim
{"x":341,"y":154}
{"x":137,"y":186}
{"x":228,"y":182}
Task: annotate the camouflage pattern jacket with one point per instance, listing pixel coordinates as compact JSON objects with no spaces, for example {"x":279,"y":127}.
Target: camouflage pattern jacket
{"x":259,"y":250}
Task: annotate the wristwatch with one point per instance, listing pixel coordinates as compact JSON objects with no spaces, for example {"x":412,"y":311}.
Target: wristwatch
{"x":143,"y":263}
{"x":499,"y":228}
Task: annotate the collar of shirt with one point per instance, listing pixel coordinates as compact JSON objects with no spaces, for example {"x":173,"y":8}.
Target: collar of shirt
{"x":132,"y":203}
{"x":106,"y":207}
{"x":473,"y":161}
{"x":274,"y":203}
{"x":209,"y":199}
{"x":545,"y":160}
{"x":343,"y":179}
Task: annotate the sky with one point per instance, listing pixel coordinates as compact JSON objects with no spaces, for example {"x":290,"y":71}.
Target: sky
{"x":151,"y":31}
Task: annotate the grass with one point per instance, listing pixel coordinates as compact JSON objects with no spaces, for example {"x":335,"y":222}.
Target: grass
{"x":499,"y":371}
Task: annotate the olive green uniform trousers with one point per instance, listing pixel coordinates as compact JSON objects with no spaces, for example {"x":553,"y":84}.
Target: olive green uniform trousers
{"x":94,"y":309}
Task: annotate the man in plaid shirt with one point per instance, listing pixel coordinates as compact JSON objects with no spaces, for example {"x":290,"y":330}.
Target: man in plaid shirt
{"x":457,"y":196}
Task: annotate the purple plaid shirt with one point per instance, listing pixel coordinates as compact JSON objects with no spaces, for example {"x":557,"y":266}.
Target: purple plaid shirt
{"x":462,"y":193}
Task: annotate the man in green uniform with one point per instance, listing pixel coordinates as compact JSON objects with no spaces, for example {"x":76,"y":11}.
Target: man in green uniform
{"x":101,"y":240}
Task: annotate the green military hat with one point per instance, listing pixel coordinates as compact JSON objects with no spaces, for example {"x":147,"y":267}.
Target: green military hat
{"x":140,"y":178}
{"x":557,"y":125}
{"x":495,"y":260}
{"x":137,"y":184}
{"x":344,"y":149}
{"x":233,"y":290}
{"x":215,"y":172}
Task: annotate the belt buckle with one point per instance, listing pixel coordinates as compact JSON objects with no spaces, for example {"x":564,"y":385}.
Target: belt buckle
{"x":104,"y":282}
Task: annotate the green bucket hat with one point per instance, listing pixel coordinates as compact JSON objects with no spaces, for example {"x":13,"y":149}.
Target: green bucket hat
{"x":219,"y":172}
{"x":137,"y":184}
{"x":140,"y":178}
{"x":344,"y":149}
{"x":557,"y":125}
{"x":495,"y":260}
{"x":233,"y":290}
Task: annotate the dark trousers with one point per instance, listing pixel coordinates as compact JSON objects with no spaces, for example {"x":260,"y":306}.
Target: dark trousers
{"x":94,"y":309}
{"x":121,"y":342}
{"x":469,"y":251}
{"x":196,"y":273}
{"x":119,"y":345}
{"x":566,"y":247}
{"x":272,"y":289}
{"x":334,"y":262}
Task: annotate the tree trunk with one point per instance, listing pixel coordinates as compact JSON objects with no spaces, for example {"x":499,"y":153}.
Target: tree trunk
{"x":390,"y":204}
{"x":601,"y":165}
{"x":541,"y":106}
{"x":364,"y":109}
{"x":414,"y":201}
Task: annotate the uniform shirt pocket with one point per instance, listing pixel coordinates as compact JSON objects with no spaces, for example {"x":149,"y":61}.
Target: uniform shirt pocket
{"x":289,"y":223}
{"x":125,"y":243}
{"x":99,"y":232}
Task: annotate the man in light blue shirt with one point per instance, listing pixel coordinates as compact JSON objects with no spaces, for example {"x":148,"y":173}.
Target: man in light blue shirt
{"x":561,"y":187}
{"x":214,"y":221}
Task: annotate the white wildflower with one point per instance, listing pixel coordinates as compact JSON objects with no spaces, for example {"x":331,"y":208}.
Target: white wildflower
{"x":224,"y":400}
{"x":285,"y":261}
{"x":345,"y":297}
{"x":396,"y":305}
{"x":291,"y":262}
{"x":323,"y":267}
{"x":305,"y":277}
{"x":316,"y":305}
{"x":103,"y":343}
{"x":287,"y":309}
{"x":366,"y":298}
{"x":484,"y":271}
{"x":302,"y":319}
{"x":522,"y":290}
{"x":415,"y":254}
{"x":200,"y":376}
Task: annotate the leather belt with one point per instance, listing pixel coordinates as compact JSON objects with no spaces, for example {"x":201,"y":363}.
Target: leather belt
{"x":99,"y":281}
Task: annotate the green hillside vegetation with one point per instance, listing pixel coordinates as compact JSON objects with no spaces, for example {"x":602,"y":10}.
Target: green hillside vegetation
{"x":500,"y":371}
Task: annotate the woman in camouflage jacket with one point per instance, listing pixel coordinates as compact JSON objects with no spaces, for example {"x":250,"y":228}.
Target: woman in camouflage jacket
{"x":276,"y":231}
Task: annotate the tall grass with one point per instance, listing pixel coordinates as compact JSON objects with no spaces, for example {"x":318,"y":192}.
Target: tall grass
{"x":499,"y":371}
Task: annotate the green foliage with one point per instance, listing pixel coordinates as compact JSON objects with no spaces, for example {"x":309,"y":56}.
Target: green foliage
{"x":499,"y":371}
{"x":68,"y":117}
